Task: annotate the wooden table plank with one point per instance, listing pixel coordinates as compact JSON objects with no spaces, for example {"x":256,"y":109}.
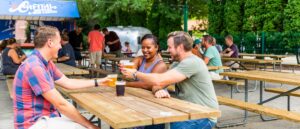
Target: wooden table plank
{"x":115,"y":114}
{"x":218,"y":67}
{"x":263,"y":55}
{"x":275,"y":77}
{"x":70,"y":70}
{"x":257,"y":61}
{"x":160,"y":114}
{"x":195,"y":111}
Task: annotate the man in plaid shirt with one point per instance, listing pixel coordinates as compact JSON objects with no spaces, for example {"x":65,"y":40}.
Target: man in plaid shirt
{"x":37,"y":104}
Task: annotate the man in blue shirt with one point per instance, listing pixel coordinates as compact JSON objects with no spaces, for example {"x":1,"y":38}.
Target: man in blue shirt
{"x":66,"y":53}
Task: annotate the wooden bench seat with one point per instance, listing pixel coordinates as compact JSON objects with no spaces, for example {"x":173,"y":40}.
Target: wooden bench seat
{"x":281,"y":90}
{"x":260,"y":109}
{"x":9,"y":83}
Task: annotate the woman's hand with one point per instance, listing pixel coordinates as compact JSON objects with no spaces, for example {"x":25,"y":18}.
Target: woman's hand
{"x":128,"y":73}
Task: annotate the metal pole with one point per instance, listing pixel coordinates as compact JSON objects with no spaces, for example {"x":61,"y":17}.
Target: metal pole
{"x":185,"y":16}
{"x":263,"y":43}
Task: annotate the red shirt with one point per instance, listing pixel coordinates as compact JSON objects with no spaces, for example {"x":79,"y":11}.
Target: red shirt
{"x":96,"y":41}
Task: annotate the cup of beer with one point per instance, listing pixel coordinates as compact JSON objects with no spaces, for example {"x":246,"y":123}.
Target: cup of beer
{"x":120,"y":88}
{"x":129,"y":65}
{"x":113,"y":78}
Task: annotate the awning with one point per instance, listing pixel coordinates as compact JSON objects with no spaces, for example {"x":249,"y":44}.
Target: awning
{"x":44,"y":10}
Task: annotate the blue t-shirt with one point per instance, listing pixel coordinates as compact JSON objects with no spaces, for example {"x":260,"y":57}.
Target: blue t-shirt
{"x":214,"y":57}
{"x":67,"y":50}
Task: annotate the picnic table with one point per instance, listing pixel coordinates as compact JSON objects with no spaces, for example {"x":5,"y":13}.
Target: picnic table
{"x":253,"y":61}
{"x":70,"y":70}
{"x":276,"y":57}
{"x":137,"y":108}
{"x":265,"y":76}
{"x":211,"y":68}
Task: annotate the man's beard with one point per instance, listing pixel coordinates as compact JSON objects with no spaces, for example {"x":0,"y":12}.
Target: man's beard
{"x":175,"y":57}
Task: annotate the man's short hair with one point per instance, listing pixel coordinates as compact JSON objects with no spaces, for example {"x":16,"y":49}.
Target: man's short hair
{"x":229,"y":37}
{"x":208,"y":38}
{"x":65,"y":37}
{"x":104,"y":30}
{"x":44,"y":33}
{"x":96,"y":27}
{"x":181,"y":37}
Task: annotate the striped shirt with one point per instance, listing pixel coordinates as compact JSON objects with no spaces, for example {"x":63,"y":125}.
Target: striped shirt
{"x":34,"y":77}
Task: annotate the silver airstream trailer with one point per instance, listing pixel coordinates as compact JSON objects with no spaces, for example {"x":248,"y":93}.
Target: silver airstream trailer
{"x":131,"y":34}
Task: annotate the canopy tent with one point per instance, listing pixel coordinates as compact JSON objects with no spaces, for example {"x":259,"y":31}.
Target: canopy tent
{"x":44,"y":10}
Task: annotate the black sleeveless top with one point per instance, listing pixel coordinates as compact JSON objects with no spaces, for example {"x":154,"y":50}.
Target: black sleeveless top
{"x":9,"y":67}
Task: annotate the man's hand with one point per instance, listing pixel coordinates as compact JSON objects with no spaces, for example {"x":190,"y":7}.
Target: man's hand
{"x":128,"y":73}
{"x":103,"y":81}
{"x":109,"y":43}
{"x":162,"y":94}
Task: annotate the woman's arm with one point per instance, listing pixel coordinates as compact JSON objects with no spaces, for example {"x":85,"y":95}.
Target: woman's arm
{"x":15,"y":57}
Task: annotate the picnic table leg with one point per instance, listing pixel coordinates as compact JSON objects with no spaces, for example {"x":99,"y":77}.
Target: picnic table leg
{"x":244,"y":121}
{"x":261,"y":85}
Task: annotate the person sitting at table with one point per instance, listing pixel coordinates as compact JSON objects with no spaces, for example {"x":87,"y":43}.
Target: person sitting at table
{"x":191,"y":76}
{"x":150,"y":62}
{"x":36,"y":102}
{"x":196,"y":48}
{"x":218,"y":46}
{"x":211,"y":56}
{"x":66,"y":53}
{"x":11,"y":59}
{"x":231,"y":51}
{"x":127,"y":50}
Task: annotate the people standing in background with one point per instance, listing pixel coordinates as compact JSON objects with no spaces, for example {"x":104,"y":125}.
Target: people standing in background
{"x":218,"y":46}
{"x":113,"y":42}
{"x":96,"y":46}
{"x":76,"y":40}
{"x":66,"y":53}
{"x":196,"y":48}
{"x":127,"y":50}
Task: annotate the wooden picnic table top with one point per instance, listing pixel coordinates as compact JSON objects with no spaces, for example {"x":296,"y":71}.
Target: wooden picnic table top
{"x":263,"y":55}
{"x":117,"y":59}
{"x":217,"y":67}
{"x":274,"y":77}
{"x":138,"y":107}
{"x":70,"y":70}
{"x":257,"y":61}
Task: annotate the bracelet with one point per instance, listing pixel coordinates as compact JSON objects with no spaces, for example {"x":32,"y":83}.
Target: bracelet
{"x":96,"y":83}
{"x":135,"y":75}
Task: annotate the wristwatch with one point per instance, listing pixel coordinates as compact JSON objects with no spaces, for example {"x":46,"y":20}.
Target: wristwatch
{"x":135,"y":75}
{"x":96,"y":83}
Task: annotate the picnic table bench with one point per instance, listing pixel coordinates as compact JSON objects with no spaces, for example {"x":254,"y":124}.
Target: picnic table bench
{"x":240,"y":61}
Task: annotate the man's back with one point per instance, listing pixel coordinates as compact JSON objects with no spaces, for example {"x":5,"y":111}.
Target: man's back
{"x":214,"y":57}
{"x":34,"y":77}
{"x":96,"y":41}
{"x":112,"y":36}
{"x":198,"y":87}
{"x":75,"y":40}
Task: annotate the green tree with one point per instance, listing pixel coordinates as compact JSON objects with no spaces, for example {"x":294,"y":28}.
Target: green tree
{"x":273,"y":19}
{"x":233,"y":13}
{"x":292,"y":17}
{"x":215,"y":17}
{"x":253,"y":18}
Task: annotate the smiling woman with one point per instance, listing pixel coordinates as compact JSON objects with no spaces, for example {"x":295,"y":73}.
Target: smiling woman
{"x":150,"y":62}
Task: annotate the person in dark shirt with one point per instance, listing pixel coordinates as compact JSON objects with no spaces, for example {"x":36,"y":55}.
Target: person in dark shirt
{"x":66,"y":53}
{"x":113,"y":42}
{"x":76,"y":39}
{"x":231,"y":50}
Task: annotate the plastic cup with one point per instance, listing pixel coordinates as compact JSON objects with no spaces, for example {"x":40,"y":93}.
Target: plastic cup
{"x":113,"y":78}
{"x":129,"y":65}
{"x":120,"y":88}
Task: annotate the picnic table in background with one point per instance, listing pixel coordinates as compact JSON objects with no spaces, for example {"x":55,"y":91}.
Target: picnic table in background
{"x":276,"y":57}
{"x":211,"y":68}
{"x":138,"y":107}
{"x":70,"y":70}
{"x":256,"y":62}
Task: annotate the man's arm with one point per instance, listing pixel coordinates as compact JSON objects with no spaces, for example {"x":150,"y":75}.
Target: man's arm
{"x":67,"y":109}
{"x":64,"y":58}
{"x":159,"y":80}
{"x":206,"y":60}
{"x":80,"y":83}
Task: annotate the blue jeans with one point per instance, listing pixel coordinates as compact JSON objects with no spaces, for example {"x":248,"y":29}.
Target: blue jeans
{"x":191,"y":124}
